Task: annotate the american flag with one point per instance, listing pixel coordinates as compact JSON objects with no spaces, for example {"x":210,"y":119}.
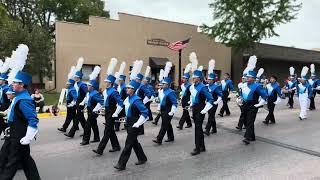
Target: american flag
{"x":176,"y":46}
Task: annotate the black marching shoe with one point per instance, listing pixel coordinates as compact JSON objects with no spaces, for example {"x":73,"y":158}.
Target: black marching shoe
{"x":188,"y":126}
{"x":97,"y":151}
{"x":83,"y":143}
{"x":214,"y":132}
{"x":140,"y":162}
{"x":169,"y":140}
{"x":206,"y":133}
{"x":195,"y":152}
{"x":246,"y":141}
{"x":272,"y":122}
{"x":115,"y":149}
{"x":221,"y":115}
{"x":68,"y":135}
{"x":265,"y":122}
{"x":119,"y":168}
{"x":62,"y":130}
{"x":95,"y":141}
{"x":154,"y":123}
{"x":81,"y":135}
{"x":179,"y":127}
{"x":156,"y":141}
{"x":239,"y":128}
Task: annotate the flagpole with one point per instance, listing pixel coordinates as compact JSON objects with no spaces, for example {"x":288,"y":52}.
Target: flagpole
{"x":180,"y":67}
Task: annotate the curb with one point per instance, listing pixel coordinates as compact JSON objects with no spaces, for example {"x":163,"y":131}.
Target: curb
{"x":48,"y":115}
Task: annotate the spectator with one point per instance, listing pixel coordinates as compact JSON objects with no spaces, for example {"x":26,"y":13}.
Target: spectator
{"x":54,"y":110}
{"x":38,"y":99}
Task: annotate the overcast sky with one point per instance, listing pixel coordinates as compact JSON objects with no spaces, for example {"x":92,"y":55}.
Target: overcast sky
{"x":302,"y":32}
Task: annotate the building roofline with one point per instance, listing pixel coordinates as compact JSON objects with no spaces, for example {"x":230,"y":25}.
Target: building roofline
{"x":158,"y":19}
{"x":288,"y":47}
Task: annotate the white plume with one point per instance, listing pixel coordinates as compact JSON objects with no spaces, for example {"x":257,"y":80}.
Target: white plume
{"x":95,"y":73}
{"x":245,"y":71}
{"x":147,"y":73}
{"x":252,"y":63}
{"x":122,"y":67}
{"x":112,"y":64}
{"x":260,"y":72}
{"x":1,"y":62}
{"x":72,"y":72}
{"x":19,"y":56}
{"x":304,"y":71}
{"x":5,"y":66}
{"x":194,"y":61}
{"x":212,"y":64}
{"x":200,"y":68}
{"x":161,"y":74}
{"x":188,"y":68}
{"x":79,"y":64}
{"x":312,"y":69}
{"x":136,"y":68}
{"x":291,"y":70}
{"x":167,"y":69}
{"x":117,"y":75}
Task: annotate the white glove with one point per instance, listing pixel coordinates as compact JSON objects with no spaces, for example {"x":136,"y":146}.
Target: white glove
{"x":277,"y":101}
{"x":83,"y":101}
{"x":140,"y":121}
{"x":73,"y":103}
{"x":97,"y":108}
{"x":318,"y":88}
{"x":206,"y":108}
{"x":152,"y":98}
{"x":261,"y":103}
{"x":229,"y":96}
{"x":217,"y":101}
{"x":118,"y":110}
{"x":158,"y":108}
{"x":173,"y":110}
{"x":146,"y":100}
{"x":294,"y":88}
{"x":31,"y":133}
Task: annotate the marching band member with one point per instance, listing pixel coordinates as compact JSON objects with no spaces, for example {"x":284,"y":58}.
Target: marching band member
{"x":250,"y":94}
{"x":143,"y":91}
{"x":160,"y":94}
{"x":94,"y":103}
{"x":239,"y":101}
{"x":227,"y":86}
{"x":22,"y":121}
{"x":274,"y":98}
{"x":304,"y":92}
{"x":185,"y":98}
{"x":168,"y":107}
{"x":291,"y":87}
{"x":122,"y":91}
{"x":136,"y":115}
{"x":201,"y":101}
{"x":113,"y":105}
{"x":313,"y":83}
{"x":216,"y":92}
{"x":71,"y":99}
{"x":82,"y":90}
{"x":146,"y":82}
{"x":4,"y":101}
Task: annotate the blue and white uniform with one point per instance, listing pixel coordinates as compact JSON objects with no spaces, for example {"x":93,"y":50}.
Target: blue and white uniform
{"x":304,"y":92}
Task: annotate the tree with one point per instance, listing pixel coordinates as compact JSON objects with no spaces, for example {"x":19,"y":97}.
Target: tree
{"x":242,"y":23}
{"x":46,"y":12}
{"x":12,"y":33}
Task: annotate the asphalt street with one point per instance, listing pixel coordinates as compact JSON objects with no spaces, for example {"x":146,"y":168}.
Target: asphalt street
{"x":289,"y":149}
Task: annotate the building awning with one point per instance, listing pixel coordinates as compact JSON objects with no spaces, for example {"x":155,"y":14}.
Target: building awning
{"x":156,"y":62}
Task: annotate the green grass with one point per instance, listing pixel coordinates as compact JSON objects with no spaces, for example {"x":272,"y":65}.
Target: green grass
{"x":51,"y":98}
